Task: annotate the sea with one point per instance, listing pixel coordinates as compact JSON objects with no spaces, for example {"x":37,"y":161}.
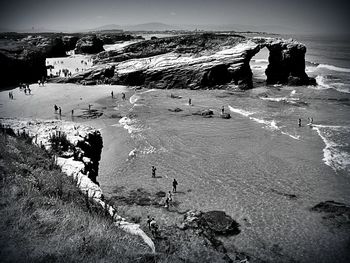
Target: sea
{"x":259,"y":167}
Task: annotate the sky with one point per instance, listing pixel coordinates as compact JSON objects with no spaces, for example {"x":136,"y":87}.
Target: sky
{"x":300,"y":16}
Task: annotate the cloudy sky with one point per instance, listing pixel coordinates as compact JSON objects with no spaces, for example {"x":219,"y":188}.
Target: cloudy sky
{"x":318,"y":16}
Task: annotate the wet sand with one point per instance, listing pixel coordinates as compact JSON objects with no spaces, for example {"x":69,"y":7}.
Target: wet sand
{"x":235,"y":165}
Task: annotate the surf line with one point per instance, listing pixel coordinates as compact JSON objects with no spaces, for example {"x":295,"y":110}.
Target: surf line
{"x":270,"y":124}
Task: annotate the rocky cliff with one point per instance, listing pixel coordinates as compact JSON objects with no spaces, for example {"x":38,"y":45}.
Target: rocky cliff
{"x":78,"y":155}
{"x":198,"y":61}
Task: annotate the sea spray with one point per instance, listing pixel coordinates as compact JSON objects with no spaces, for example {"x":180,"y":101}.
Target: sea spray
{"x":333,"y":154}
{"x":272,"y":125}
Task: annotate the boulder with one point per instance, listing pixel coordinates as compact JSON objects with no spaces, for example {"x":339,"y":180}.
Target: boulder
{"x":225,"y":115}
{"x":212,"y":222}
{"x":175,"y":110}
{"x":335,"y":213}
{"x":89,"y":45}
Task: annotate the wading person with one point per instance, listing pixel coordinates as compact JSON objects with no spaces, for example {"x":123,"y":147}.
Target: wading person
{"x":112,"y":95}
{"x":299,"y":122}
{"x":174,"y":185}
{"x":154,"y":171}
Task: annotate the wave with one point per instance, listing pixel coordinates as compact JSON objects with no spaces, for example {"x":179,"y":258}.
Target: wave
{"x":323,"y":85}
{"x":240,"y":111}
{"x":260,"y":60}
{"x":134,"y":98}
{"x":283,"y":99}
{"x":129,"y":125}
{"x":268,"y":124}
{"x":333,"y":68}
{"x":333,"y":154}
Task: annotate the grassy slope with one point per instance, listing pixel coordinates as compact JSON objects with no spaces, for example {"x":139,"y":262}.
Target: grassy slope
{"x":44,"y":217}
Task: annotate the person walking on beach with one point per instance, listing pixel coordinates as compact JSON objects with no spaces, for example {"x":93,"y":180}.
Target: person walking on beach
{"x":112,"y":95}
{"x":222,"y":109}
{"x":174,"y":185}
{"x":154,"y":171}
{"x":123,"y":96}
{"x":72,"y":112}
{"x":299,"y":122}
{"x":149,"y":220}
{"x":59,"y":111}
{"x":167,"y":203}
{"x":154,"y":227}
{"x":170,"y":196}
{"x":190,"y":101}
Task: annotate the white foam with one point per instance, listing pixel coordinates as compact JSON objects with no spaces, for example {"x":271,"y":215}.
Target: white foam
{"x":334,"y":68}
{"x":261,"y":60}
{"x":268,"y":124}
{"x":134,"y":98}
{"x":240,"y":111}
{"x":278,"y":99}
{"x":129,"y":125}
{"x":293,"y":92}
{"x":320,"y":80}
{"x":332,"y":155}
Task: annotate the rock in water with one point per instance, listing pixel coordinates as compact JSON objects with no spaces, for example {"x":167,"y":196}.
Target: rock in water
{"x":336,"y":213}
{"x":201,"y":61}
{"x":212,"y":222}
{"x":225,"y":115}
{"x":220,"y":223}
{"x":89,"y":45}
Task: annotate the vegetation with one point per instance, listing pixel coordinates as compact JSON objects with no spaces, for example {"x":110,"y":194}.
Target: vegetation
{"x":44,"y":217}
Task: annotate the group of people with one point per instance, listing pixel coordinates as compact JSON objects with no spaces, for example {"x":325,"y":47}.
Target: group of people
{"x":169,"y":196}
{"x":57,"y":109}
{"x":25,"y":88}
{"x":11,"y":95}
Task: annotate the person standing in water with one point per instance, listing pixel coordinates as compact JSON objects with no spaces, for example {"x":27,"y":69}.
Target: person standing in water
{"x":112,"y":95}
{"x":222,"y":109}
{"x":154,"y":171}
{"x":174,"y":185}
{"x":299,"y":122}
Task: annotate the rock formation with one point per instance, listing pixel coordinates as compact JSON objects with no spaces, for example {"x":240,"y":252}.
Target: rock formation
{"x":197,"y":62}
{"x":80,"y":160}
{"x":89,"y":45}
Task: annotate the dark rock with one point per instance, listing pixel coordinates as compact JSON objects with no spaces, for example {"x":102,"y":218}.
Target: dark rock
{"x":175,"y":110}
{"x":225,"y":115}
{"x":89,"y":45}
{"x":204,"y":113}
{"x":69,"y":42}
{"x":217,"y":62}
{"x":161,"y":194}
{"x":220,"y":223}
{"x":337,"y":213}
{"x":217,"y":222}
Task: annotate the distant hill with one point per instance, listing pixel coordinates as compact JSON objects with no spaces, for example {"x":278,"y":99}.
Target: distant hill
{"x":155,"y":26}
{"x":106,"y":27}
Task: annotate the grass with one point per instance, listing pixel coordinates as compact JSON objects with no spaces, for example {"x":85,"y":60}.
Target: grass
{"x":44,"y":217}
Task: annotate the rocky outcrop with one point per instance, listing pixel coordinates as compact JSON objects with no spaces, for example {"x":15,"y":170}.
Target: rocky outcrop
{"x":198,"y":62}
{"x":334,"y":213}
{"x":89,"y":45}
{"x":69,"y":42}
{"x":83,"y":146}
{"x":214,"y":222}
{"x":20,"y":61}
{"x":23,"y":59}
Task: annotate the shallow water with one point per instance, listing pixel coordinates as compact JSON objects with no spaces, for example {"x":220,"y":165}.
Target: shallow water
{"x":245,"y":165}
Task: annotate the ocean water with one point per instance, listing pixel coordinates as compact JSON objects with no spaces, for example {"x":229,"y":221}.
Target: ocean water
{"x":251,"y":165}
